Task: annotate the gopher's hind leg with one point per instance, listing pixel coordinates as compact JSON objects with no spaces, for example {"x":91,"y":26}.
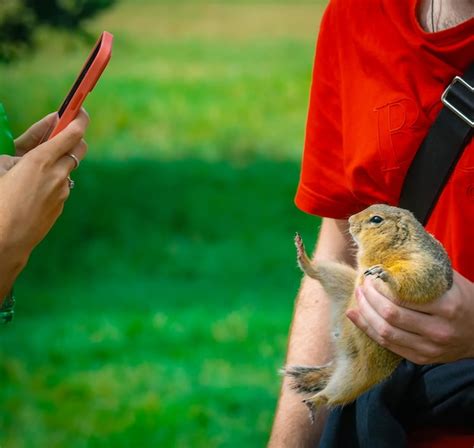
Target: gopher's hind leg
{"x":345,"y":385}
{"x":351,"y":378}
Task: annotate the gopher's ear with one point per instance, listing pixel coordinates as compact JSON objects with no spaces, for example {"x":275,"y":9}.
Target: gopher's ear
{"x":403,"y":226}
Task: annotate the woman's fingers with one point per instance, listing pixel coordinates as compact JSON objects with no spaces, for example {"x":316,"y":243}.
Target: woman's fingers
{"x":70,"y":161}
{"x":34,"y":135}
{"x":49,"y":152}
{"x":66,"y":140}
{"x":7,"y":163}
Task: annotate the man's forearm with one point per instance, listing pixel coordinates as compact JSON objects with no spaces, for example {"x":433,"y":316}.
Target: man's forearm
{"x":309,"y":344}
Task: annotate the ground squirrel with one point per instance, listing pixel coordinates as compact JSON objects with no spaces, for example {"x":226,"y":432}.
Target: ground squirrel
{"x":413,"y":268}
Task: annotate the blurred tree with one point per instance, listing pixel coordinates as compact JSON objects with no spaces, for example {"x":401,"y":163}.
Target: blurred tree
{"x":16,"y":29}
{"x":20,"y":18}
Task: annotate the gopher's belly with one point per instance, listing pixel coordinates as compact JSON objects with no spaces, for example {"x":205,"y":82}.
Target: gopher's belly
{"x":372,"y":361}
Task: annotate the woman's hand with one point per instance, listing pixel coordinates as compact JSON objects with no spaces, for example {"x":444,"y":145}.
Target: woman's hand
{"x":35,"y":134}
{"x":30,"y":139}
{"x":438,"y":332}
{"x":33,"y":192}
{"x":7,"y":163}
{"x":33,"y":189}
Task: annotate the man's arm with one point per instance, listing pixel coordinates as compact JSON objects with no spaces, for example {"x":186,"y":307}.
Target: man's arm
{"x":309,"y":341}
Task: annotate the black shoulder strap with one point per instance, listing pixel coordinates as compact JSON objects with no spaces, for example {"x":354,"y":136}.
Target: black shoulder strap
{"x":441,"y":149}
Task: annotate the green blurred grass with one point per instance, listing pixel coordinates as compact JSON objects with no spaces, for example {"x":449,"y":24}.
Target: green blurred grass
{"x":156,"y":311}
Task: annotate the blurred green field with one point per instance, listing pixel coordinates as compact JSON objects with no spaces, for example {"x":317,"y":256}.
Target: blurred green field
{"x":156,"y":312}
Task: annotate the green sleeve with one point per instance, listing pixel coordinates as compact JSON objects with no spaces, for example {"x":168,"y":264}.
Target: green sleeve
{"x":7,"y":146}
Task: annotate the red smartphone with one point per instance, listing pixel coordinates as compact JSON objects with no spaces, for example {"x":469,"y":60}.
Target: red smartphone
{"x":85,"y":82}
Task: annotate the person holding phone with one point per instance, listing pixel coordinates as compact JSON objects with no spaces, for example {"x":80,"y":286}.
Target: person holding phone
{"x":34,"y":185}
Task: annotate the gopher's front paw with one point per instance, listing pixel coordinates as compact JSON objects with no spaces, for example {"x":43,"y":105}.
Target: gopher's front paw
{"x":300,"y":252}
{"x":378,"y":271}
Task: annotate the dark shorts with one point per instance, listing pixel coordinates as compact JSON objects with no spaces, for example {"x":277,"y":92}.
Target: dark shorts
{"x":397,"y":412}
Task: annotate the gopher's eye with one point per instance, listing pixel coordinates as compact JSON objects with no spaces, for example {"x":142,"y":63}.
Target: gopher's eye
{"x":376,"y":219}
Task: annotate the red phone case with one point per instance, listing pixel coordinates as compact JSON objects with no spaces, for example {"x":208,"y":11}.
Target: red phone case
{"x":85,"y":82}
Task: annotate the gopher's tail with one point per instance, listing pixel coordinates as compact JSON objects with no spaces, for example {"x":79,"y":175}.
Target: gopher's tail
{"x":308,"y":379}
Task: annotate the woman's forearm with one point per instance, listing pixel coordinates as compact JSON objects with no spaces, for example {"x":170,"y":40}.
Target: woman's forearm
{"x":12,"y":262}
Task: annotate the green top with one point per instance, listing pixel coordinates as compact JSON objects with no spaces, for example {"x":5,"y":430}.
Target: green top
{"x":7,"y":146}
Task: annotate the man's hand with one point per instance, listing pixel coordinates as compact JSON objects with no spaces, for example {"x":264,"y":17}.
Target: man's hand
{"x":438,"y":332}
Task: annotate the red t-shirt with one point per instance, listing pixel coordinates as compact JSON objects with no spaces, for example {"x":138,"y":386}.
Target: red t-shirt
{"x":377,"y":81}
{"x":376,"y":89}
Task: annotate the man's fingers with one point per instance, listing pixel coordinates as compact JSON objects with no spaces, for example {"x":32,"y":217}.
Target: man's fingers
{"x":432,"y":321}
{"x":419,"y":352}
{"x":379,"y":329}
{"x":430,"y":327}
{"x":35,"y":133}
{"x":396,"y":315}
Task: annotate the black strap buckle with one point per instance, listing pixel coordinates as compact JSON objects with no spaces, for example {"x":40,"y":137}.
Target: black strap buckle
{"x":459,"y":98}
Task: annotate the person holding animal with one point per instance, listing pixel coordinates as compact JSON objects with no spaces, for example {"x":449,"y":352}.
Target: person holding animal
{"x":379,"y":72}
{"x":34,"y":185}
